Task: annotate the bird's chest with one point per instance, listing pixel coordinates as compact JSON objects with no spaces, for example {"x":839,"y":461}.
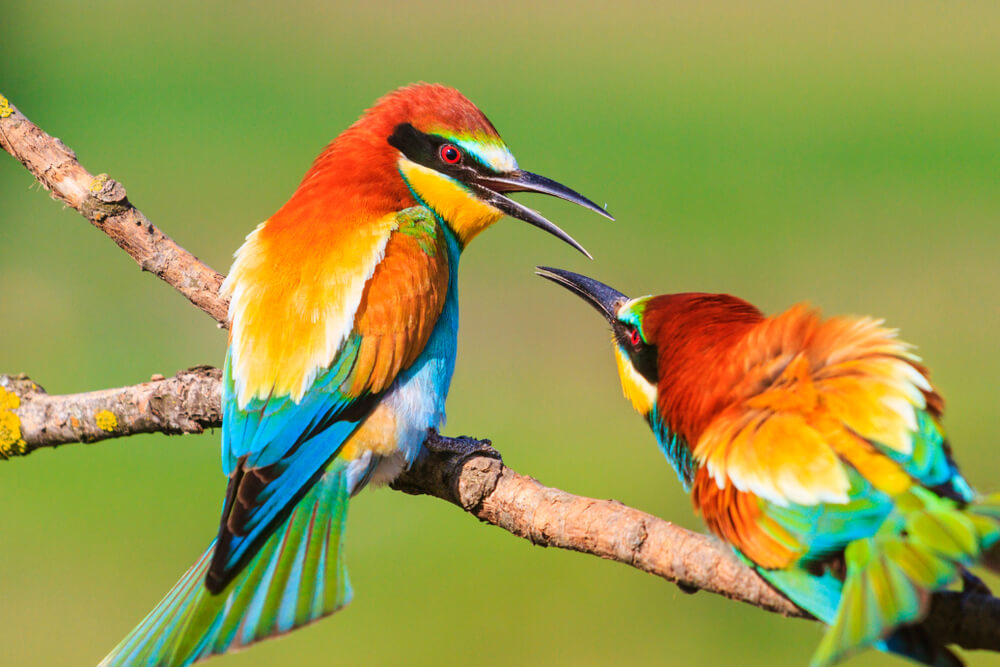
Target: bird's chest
{"x":416,"y":401}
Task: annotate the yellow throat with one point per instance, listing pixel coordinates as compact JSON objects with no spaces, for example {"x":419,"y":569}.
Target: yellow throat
{"x":462,"y":210}
{"x":638,"y":390}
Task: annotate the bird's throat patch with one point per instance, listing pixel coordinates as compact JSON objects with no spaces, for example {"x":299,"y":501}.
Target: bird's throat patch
{"x":638,"y":389}
{"x":465,"y":213}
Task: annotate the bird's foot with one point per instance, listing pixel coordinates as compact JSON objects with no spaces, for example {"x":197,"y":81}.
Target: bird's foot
{"x":464,"y":446}
{"x":973,"y":585}
{"x":461,"y":470}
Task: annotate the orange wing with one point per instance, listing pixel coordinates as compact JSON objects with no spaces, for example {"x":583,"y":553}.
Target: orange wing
{"x":401,"y":303}
{"x":816,"y":398}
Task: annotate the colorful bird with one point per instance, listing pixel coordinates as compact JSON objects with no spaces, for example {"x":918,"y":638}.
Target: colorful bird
{"x":343,"y":328}
{"x":814,"y":447}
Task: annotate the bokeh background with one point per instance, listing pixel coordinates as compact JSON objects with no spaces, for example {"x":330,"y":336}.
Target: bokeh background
{"x":847,"y":155}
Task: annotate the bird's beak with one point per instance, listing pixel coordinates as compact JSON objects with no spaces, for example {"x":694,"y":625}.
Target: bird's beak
{"x":604,"y":299}
{"x":491,"y":189}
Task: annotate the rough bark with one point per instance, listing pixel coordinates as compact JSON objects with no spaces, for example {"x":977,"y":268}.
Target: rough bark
{"x":185,"y":403}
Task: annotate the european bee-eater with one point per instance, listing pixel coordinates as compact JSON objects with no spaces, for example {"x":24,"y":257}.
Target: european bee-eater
{"x":343,"y":326}
{"x":814,"y":447}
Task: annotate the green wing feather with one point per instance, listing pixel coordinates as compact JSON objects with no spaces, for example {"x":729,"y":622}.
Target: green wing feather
{"x":890,"y":576}
{"x":297,"y":577}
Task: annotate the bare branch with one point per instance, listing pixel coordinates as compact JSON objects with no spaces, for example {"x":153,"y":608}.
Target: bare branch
{"x":102,"y":201}
{"x":469,"y":474}
{"x":31,"y":419}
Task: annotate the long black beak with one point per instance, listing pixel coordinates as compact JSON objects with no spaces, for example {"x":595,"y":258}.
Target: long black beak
{"x":491,"y":188}
{"x":604,"y":299}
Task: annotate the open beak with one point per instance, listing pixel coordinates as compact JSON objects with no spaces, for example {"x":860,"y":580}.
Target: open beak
{"x":491,"y":188}
{"x":605,"y":300}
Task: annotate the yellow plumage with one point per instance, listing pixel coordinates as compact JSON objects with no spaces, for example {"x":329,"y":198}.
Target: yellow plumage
{"x":291,"y":310}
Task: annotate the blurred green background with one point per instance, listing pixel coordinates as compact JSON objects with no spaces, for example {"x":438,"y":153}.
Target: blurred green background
{"x":848,"y":155}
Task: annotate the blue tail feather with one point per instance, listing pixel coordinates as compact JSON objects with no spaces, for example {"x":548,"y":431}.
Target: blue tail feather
{"x":298,"y":576}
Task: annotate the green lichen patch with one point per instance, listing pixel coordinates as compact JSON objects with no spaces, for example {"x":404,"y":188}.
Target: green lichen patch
{"x":106,"y":420}
{"x":11,"y":442}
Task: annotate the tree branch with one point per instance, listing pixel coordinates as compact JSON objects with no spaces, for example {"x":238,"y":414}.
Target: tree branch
{"x":103,"y":202}
{"x":31,"y":419}
{"x":465,"y":472}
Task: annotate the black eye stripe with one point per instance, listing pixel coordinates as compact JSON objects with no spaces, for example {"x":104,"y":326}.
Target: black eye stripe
{"x":425,"y":149}
{"x":641,"y":354}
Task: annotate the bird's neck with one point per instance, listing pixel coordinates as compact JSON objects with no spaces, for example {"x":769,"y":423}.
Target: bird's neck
{"x":698,"y":338}
{"x":354,"y":178}
{"x":674,"y":447}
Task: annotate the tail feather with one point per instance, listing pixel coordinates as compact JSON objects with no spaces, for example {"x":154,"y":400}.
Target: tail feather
{"x":891,"y":576}
{"x":984,"y":512}
{"x":297,"y":577}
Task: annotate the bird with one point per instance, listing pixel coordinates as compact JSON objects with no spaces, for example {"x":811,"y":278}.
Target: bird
{"x":343,"y":320}
{"x":814,"y":447}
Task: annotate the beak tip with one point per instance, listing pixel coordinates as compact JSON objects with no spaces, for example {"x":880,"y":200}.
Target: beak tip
{"x":603,"y":298}
{"x":543,"y":271}
{"x":583,"y":251}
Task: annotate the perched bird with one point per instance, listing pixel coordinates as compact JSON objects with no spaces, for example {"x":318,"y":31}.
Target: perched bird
{"x":814,"y":447}
{"x":343,"y":327}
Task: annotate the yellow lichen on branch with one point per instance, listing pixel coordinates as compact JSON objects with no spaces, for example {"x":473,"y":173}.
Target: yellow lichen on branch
{"x":11,"y":442}
{"x":106,"y":420}
{"x":98,"y":182}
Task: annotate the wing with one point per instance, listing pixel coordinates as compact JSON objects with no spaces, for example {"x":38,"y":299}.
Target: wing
{"x":276,"y":447}
{"x":837,"y":418}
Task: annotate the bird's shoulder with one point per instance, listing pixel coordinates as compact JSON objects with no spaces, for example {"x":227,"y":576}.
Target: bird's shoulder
{"x":299,"y":292}
{"x":294,"y":290}
{"x":816,"y":399}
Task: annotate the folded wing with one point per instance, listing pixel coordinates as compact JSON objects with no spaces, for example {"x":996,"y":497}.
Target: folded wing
{"x":276,"y":447}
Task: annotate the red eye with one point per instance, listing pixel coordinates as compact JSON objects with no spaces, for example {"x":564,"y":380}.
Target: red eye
{"x":635,"y":338}
{"x":450,"y":154}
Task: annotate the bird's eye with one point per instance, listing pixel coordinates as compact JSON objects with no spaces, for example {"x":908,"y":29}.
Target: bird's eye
{"x":450,"y":154}
{"x":635,"y":338}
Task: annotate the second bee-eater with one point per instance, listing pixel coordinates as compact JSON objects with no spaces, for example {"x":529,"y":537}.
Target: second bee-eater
{"x":814,"y":447}
{"x":343,"y":327}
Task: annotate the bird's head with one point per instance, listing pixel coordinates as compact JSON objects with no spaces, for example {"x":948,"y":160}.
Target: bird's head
{"x":672,"y":350}
{"x":444,"y":151}
{"x":635,"y":351}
